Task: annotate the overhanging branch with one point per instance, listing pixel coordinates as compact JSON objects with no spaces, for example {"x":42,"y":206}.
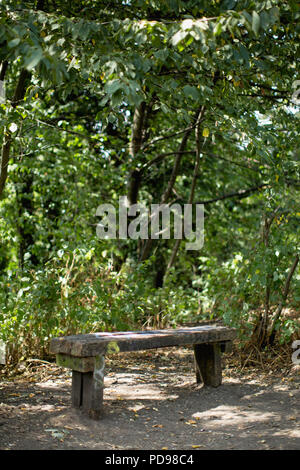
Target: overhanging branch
{"x":242,"y":193}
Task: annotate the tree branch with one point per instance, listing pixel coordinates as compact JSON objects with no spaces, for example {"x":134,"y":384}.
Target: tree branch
{"x":162,"y":156}
{"x":242,"y":193}
{"x":164,"y":137}
{"x":197,"y":120}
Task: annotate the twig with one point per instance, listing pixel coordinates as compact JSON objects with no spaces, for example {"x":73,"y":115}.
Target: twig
{"x":38,"y":360}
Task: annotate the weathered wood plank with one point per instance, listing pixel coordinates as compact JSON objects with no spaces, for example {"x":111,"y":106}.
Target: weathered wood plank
{"x":87,"y":390}
{"x":197,"y":371}
{"x":76,"y":389}
{"x":92,"y":389}
{"x":226,"y":347}
{"x":80,"y":364}
{"x":107,"y":343}
{"x":208,"y":364}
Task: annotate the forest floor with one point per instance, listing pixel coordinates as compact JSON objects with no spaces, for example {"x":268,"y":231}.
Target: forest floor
{"x":152,"y":402}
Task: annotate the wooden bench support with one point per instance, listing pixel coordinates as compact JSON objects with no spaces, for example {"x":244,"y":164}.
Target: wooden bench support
{"x":87,"y":389}
{"x":208,"y":364}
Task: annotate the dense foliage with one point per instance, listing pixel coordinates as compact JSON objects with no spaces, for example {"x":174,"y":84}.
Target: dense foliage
{"x":162,"y":101}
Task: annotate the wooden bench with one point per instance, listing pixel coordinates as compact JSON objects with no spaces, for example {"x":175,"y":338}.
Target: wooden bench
{"x":85,"y":355}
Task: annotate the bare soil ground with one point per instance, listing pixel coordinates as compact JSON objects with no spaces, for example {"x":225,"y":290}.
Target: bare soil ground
{"x":152,"y":402}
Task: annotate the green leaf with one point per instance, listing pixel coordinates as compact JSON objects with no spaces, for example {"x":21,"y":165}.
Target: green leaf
{"x":217,"y":29}
{"x":13,"y":43}
{"x":179,"y":36}
{"x":244,"y":54}
{"x":162,"y":54}
{"x":192,"y":91}
{"x":112,"y":86}
{"x":33,"y":58}
{"x":255,"y":22}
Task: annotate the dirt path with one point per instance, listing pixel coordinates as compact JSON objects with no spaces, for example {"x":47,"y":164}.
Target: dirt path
{"x":152,"y":402}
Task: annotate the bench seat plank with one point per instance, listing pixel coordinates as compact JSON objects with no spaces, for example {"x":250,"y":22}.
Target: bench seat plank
{"x":93,"y":344}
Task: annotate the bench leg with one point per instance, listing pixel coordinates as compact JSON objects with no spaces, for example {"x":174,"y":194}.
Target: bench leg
{"x":208,"y":364}
{"x":87,"y":389}
{"x":77,"y":379}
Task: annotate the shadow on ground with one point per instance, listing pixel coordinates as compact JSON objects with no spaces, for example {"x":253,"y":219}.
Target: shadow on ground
{"x":152,"y":402}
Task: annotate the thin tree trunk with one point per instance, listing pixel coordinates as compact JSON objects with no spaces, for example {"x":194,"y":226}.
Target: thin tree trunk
{"x":260,"y":331}
{"x":284,"y":297}
{"x":194,"y":180}
{"x":197,"y":119}
{"x":25,"y":209}
{"x":168,"y":191}
{"x":134,"y":148}
{"x":3,"y":69}
{"x":7,"y":140}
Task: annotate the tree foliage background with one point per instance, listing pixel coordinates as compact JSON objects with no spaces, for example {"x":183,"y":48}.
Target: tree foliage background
{"x":162,"y":101}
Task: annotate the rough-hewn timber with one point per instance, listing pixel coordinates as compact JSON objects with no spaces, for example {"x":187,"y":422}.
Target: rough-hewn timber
{"x":208,"y":364}
{"x":93,"y":344}
{"x":81,"y":364}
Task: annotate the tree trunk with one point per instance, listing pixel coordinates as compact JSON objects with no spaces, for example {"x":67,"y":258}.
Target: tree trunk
{"x":272,"y":333}
{"x":7,"y":140}
{"x":260,"y":332}
{"x":134,"y":147}
{"x":194,"y":180}
{"x":168,"y":191}
{"x":25,"y":225}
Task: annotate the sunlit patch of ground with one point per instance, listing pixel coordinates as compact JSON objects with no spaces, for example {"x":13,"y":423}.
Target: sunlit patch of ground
{"x":152,"y":402}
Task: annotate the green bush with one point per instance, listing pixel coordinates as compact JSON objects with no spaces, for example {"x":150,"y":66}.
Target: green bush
{"x":71,"y":295}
